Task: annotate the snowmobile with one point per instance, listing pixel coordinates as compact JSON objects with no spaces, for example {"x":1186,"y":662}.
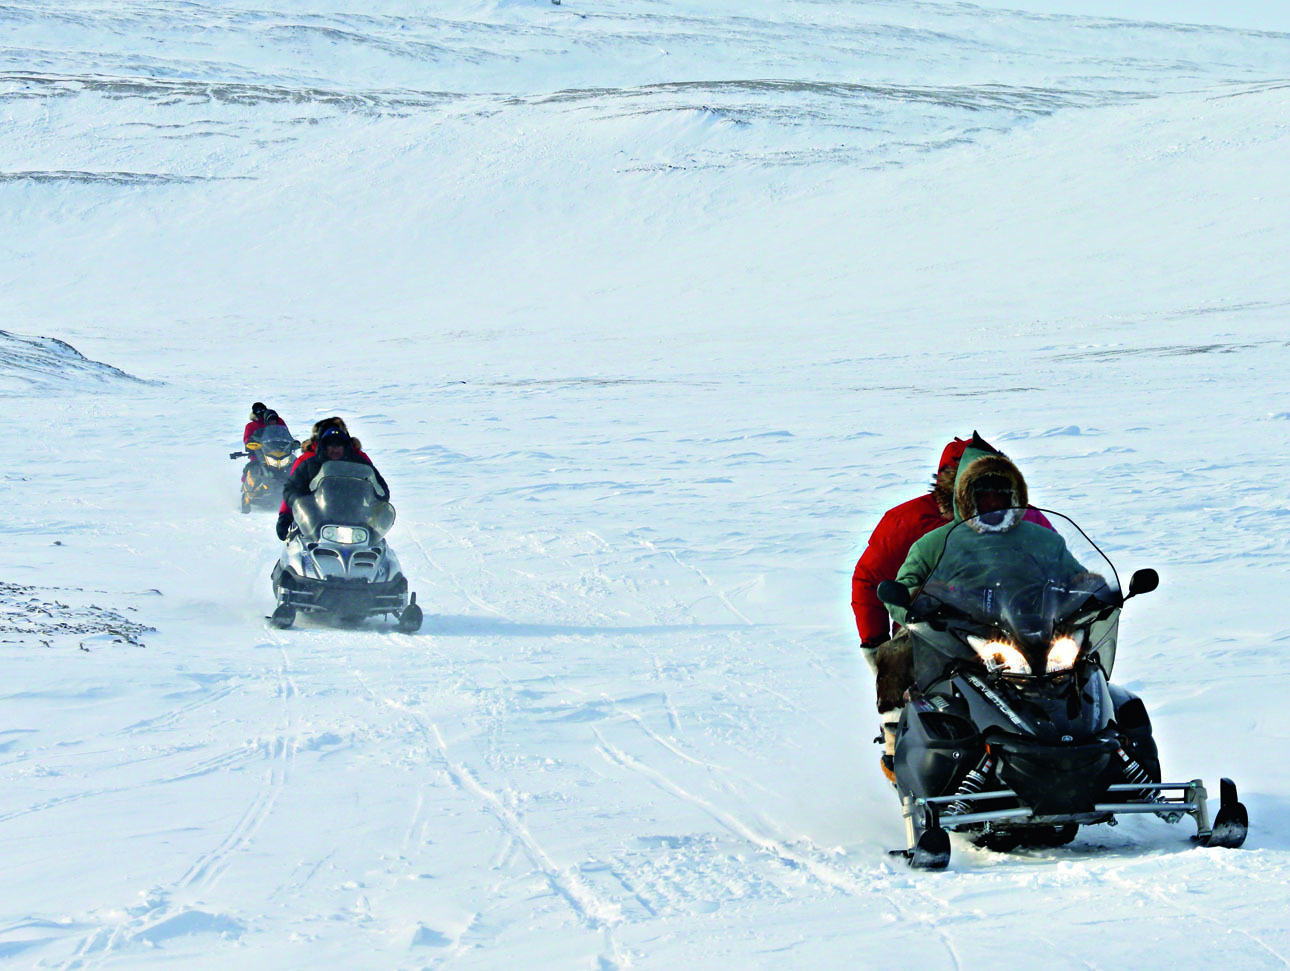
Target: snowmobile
{"x":1013,"y":734}
{"x":262,"y":480}
{"x":335,"y":562}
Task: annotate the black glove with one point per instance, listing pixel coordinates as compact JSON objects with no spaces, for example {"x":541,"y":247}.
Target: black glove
{"x":284,"y":524}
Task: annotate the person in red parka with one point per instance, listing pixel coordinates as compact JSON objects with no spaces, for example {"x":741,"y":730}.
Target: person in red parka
{"x":890,"y":541}
{"x":261,"y":418}
{"x":898,"y":530}
{"x":334,"y":447}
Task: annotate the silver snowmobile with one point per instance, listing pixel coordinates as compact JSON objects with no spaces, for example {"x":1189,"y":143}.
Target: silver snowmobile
{"x":335,"y":562}
{"x":1013,"y":735}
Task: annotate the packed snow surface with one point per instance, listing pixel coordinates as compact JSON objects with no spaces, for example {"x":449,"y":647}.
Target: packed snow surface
{"x":646,"y":309}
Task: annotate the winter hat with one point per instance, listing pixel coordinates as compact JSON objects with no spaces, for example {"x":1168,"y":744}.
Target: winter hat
{"x":334,"y":435}
{"x":257,"y":410}
{"x":953,"y":452}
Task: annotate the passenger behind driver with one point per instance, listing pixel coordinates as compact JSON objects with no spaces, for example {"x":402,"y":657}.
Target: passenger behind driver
{"x":990,"y":500}
{"x":261,"y":418}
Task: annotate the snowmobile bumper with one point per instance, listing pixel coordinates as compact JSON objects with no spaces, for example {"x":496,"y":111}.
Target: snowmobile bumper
{"x":343,"y":597}
{"x":1168,"y":800}
{"x":1190,"y":801}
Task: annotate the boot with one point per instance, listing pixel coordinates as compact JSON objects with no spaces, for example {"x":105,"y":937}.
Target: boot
{"x":889,"y":721}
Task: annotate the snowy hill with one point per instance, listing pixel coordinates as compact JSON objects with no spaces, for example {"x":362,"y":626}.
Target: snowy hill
{"x":647,"y":311}
{"x":43,"y":364}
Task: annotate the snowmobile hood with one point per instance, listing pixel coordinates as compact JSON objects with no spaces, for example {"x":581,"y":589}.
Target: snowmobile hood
{"x":977,"y":464}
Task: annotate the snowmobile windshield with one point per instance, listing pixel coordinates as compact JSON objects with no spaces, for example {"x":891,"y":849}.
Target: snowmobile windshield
{"x":344,"y":495}
{"x":1028,"y":587}
{"x":276,"y":440}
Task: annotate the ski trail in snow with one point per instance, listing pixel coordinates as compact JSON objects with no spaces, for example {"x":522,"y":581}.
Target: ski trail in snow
{"x":590,"y":908}
{"x":594,"y":912}
{"x":794,"y":860}
{"x":177,"y":714}
{"x":1170,"y":898}
{"x":716,"y":770}
{"x":97,"y":947}
{"x":830,"y":876}
{"x":657,"y":738}
{"x":470,"y":596}
{"x":672,"y":555}
{"x":206,"y":870}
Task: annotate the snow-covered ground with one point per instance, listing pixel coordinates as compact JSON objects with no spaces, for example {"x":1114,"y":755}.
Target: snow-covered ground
{"x":647,"y":309}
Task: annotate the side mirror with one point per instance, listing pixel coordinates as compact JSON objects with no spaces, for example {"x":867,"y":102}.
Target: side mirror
{"x":893,"y":594}
{"x":1143,"y":581}
{"x":252,"y":446}
{"x":295,"y":443}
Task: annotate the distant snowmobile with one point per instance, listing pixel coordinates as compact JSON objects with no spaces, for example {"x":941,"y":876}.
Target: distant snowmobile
{"x":1013,"y":735}
{"x":335,"y":562}
{"x":271,"y":460}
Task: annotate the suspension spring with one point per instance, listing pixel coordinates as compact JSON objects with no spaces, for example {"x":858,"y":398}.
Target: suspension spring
{"x":972,"y":783}
{"x":1133,"y":772}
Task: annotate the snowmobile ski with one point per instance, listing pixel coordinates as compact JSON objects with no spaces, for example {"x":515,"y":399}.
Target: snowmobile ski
{"x":1231,"y":822}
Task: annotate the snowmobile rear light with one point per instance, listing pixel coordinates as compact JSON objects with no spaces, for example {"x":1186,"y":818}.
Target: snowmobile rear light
{"x":347,"y":535}
{"x":999,"y":656}
{"x":1062,"y":655}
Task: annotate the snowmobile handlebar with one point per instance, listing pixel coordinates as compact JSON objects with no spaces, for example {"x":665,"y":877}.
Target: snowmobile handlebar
{"x":239,"y":455}
{"x":893,"y":593}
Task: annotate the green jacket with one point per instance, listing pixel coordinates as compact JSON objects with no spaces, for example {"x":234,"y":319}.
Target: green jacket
{"x":981,"y":552}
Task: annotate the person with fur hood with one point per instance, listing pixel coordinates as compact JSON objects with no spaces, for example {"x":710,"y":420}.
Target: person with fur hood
{"x":899,"y":530}
{"x":990,"y":500}
{"x":330,"y":442}
{"x":891,"y":540}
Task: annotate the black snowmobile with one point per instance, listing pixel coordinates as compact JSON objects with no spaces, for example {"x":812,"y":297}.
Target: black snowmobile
{"x":335,"y":563}
{"x":271,"y":459}
{"x":1013,"y":735}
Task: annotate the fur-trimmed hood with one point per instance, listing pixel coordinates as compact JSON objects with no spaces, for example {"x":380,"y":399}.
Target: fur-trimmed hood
{"x":978,"y":464}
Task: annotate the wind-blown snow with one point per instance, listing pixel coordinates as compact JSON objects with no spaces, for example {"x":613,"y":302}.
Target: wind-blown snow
{"x":647,"y":311}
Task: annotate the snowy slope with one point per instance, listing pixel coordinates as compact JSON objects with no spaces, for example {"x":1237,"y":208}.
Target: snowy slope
{"x":646,"y":310}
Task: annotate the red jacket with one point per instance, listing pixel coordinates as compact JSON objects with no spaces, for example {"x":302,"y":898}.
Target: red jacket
{"x":309,"y":453}
{"x":254,"y":428}
{"x":895,"y":533}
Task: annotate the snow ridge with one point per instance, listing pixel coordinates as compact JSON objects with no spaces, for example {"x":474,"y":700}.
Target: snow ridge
{"x":46,"y":364}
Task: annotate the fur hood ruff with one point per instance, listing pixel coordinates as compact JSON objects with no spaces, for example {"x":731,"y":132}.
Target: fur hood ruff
{"x":977,"y":465}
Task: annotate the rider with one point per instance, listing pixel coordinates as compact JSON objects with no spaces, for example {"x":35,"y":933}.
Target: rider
{"x":898,"y":530}
{"x":989,"y":500}
{"x":261,"y":418}
{"x":331,"y":442}
{"x":895,"y":533}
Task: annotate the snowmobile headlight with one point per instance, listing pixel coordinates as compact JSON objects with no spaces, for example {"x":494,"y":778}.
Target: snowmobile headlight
{"x":348,"y":535}
{"x":999,"y":655}
{"x":276,"y":462}
{"x":1062,"y":655}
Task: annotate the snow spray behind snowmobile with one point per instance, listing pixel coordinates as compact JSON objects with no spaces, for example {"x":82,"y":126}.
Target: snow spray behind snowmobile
{"x":1013,"y":734}
{"x":271,"y":460}
{"x":335,"y":562}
